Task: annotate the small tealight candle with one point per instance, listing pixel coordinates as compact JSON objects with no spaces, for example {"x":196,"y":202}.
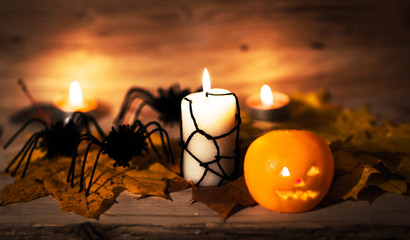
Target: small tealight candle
{"x":76,"y":101}
{"x":209,"y":132}
{"x":268,"y":105}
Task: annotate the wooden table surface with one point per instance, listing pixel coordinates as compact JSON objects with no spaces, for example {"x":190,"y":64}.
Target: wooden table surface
{"x":358,"y":50}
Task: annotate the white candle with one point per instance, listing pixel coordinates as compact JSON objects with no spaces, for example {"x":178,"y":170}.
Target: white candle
{"x":214,"y":116}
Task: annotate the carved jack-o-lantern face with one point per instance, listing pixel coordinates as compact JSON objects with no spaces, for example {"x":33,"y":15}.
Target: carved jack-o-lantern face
{"x":288,"y":171}
{"x":300,"y":185}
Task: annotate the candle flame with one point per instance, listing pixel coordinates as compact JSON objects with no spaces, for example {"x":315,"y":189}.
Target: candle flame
{"x":76,"y":97}
{"x":266,"y":95}
{"x":206,"y":81}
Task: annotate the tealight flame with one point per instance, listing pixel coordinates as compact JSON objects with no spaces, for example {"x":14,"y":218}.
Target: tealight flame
{"x":266,"y":95}
{"x":285,"y":172}
{"x":206,"y":81}
{"x":76,"y":97}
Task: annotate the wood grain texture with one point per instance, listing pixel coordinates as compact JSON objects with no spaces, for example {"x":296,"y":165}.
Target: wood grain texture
{"x":359,"y":50}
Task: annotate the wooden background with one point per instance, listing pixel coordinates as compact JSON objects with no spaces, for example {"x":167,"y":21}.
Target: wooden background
{"x":359,"y":50}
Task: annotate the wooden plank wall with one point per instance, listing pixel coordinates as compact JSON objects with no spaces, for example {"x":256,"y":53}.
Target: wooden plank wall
{"x":359,"y":50}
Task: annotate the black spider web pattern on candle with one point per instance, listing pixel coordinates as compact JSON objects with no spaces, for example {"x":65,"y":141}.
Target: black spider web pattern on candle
{"x":218,"y":157}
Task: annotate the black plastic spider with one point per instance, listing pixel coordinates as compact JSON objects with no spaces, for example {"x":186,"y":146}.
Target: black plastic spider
{"x":167,"y":104}
{"x":121,"y":145}
{"x":59,"y":138}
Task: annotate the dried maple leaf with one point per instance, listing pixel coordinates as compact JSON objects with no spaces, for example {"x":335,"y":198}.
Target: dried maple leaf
{"x":365,"y":155}
{"x":226,"y":199}
{"x":22,"y":191}
{"x":45,"y":177}
{"x":350,"y":185}
{"x":388,"y":184}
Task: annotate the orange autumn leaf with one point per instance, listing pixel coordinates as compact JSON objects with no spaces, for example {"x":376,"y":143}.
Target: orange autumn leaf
{"x":22,"y":191}
{"x":145,"y":177}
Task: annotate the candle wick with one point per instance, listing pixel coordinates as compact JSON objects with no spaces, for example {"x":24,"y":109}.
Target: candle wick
{"x":21,"y":83}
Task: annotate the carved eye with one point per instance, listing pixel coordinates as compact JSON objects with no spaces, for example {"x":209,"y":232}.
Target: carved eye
{"x":285,"y":172}
{"x":313,"y":171}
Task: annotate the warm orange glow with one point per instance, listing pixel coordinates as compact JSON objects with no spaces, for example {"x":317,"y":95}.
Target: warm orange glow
{"x":89,"y":68}
{"x":285,"y":172}
{"x":76,"y":96}
{"x":76,"y":101}
{"x":302,"y":195}
{"x":206,"y":81}
{"x":267,"y":100}
{"x":266,"y":95}
{"x":313,"y":171}
{"x":276,"y":166}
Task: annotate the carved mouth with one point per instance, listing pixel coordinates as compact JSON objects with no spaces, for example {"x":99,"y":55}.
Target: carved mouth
{"x":302,"y":195}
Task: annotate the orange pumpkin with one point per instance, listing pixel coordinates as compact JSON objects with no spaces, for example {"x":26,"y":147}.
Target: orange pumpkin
{"x":288,"y":170}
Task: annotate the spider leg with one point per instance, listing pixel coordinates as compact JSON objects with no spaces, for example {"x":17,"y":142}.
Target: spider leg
{"x":96,"y":142}
{"x":148,"y":136}
{"x":30,"y":147}
{"x":75,"y":116}
{"x":29,"y":157}
{"x":78,"y":118}
{"x":83,"y":121}
{"x":132,"y":94}
{"x":139,"y":109}
{"x":20,"y":152}
{"x":94,"y":122}
{"x":71,"y":171}
{"x":22,"y":129}
{"x":166,"y":145}
{"x":138,"y":125}
{"x":92,"y":173}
